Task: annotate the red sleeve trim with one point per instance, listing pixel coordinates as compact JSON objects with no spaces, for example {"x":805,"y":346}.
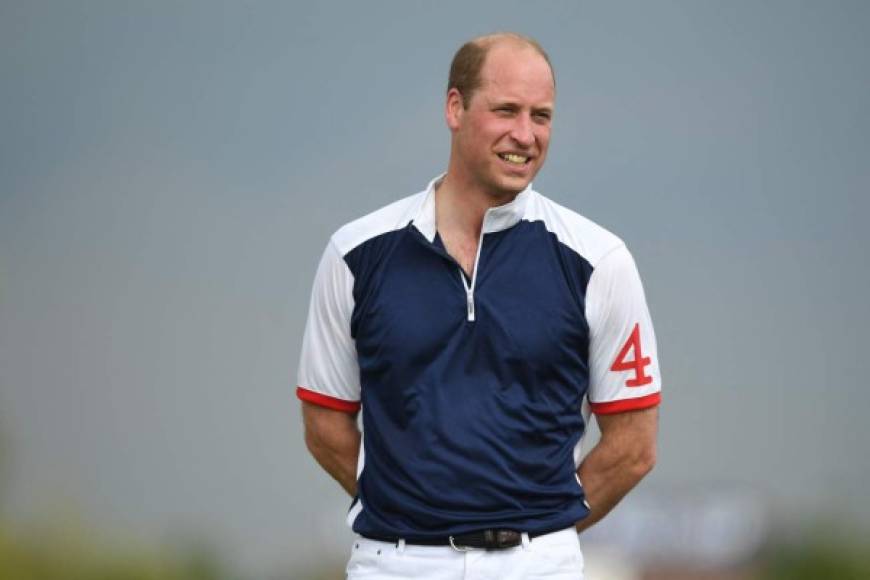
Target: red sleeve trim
{"x":327,"y":401}
{"x":611,"y":407}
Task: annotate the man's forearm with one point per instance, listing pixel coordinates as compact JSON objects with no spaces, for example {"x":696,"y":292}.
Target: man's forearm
{"x":623,"y":456}
{"x":333,"y":439}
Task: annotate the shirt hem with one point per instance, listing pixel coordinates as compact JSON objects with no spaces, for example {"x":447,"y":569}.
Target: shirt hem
{"x":322,"y":400}
{"x":623,"y":405}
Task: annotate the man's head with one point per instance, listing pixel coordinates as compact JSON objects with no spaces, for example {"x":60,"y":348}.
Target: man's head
{"x":500,"y":101}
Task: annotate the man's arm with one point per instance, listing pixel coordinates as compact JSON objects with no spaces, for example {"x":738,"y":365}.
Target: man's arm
{"x":625,"y":453}
{"x":333,"y":438}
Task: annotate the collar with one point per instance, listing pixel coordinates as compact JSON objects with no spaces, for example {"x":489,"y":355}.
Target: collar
{"x":495,"y":219}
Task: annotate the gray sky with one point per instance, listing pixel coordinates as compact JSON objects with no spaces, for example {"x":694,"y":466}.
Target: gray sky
{"x":169,"y":174}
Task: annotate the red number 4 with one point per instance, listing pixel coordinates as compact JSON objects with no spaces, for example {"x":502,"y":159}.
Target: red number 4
{"x":638,"y":364}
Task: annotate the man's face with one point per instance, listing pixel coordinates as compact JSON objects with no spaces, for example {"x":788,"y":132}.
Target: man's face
{"x":501,"y":139}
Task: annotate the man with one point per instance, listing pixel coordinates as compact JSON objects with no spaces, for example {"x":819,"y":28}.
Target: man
{"x":475,"y":324}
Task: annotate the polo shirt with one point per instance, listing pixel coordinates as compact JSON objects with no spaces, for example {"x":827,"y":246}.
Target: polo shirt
{"x":475,"y":391}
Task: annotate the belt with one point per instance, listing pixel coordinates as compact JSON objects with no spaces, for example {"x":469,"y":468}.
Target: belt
{"x":492,"y":539}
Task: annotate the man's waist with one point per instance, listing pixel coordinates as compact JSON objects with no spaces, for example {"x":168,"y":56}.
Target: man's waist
{"x":438,"y":533}
{"x":483,"y":539}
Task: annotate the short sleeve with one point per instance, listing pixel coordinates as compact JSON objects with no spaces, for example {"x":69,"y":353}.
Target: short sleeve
{"x":623,"y":359}
{"x":328,"y":369}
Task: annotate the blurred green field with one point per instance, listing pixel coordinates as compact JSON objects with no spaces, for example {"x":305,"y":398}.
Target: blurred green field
{"x":71,"y":553}
{"x":824,"y":551}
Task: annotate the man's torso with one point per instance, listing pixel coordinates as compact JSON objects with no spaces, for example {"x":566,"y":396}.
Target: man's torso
{"x":471,"y":412}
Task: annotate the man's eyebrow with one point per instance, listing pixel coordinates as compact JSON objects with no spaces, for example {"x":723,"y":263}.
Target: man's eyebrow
{"x":504,"y":103}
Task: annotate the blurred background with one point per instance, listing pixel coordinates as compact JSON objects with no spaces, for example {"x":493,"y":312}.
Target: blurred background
{"x":169,"y":175}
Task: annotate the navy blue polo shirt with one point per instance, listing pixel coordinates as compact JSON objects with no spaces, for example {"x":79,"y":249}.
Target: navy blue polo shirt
{"x":475,"y":391}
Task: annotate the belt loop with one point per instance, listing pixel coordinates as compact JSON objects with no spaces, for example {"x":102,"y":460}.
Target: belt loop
{"x":457,"y":548}
{"x":526,"y":541}
{"x":400,"y":545}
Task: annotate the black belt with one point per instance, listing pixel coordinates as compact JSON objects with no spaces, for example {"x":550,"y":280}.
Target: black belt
{"x":493,"y":539}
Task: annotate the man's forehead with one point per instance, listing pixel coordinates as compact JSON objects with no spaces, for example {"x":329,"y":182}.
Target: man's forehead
{"x":522,"y":76}
{"x":508,"y":63}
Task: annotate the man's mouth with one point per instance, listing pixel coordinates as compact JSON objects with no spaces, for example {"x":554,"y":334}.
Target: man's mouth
{"x":514,"y":158}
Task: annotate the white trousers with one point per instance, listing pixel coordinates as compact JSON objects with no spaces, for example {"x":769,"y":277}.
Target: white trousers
{"x":554,"y":556}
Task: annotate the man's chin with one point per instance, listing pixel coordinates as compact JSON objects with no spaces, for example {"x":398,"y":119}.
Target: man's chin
{"x":509,"y":187}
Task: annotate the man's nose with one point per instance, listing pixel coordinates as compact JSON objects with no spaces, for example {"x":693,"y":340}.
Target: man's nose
{"x":522,"y":131}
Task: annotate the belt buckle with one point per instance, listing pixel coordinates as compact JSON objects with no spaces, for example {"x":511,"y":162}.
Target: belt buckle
{"x":492,"y":539}
{"x":502,"y":539}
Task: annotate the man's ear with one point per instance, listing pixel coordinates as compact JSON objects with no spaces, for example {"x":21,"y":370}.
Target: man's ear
{"x":454,"y":109}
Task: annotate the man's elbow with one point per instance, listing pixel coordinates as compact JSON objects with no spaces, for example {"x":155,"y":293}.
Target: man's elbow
{"x":319,"y":437}
{"x":312,"y":440}
{"x":644,"y":460}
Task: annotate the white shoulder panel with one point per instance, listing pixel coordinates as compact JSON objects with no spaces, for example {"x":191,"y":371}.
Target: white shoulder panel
{"x":581,"y":234}
{"x":623,"y":358}
{"x":386,"y":219}
{"x":328,"y":364}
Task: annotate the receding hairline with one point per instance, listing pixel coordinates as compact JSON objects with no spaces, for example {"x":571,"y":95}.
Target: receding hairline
{"x":488,"y":41}
{"x":470,"y":59}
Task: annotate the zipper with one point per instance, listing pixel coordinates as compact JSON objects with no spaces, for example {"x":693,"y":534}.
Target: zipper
{"x":470,"y":303}
{"x":469,"y":288}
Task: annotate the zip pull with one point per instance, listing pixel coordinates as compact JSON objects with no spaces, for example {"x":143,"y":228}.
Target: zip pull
{"x":470,"y":303}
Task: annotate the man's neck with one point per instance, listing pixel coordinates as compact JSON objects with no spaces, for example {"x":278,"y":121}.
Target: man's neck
{"x":460,"y":208}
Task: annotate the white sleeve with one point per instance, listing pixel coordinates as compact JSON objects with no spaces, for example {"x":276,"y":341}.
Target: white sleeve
{"x":328,"y":369}
{"x":623,"y":361}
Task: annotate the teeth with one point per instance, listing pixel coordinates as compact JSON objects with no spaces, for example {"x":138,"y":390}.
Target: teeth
{"x":513,"y":158}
